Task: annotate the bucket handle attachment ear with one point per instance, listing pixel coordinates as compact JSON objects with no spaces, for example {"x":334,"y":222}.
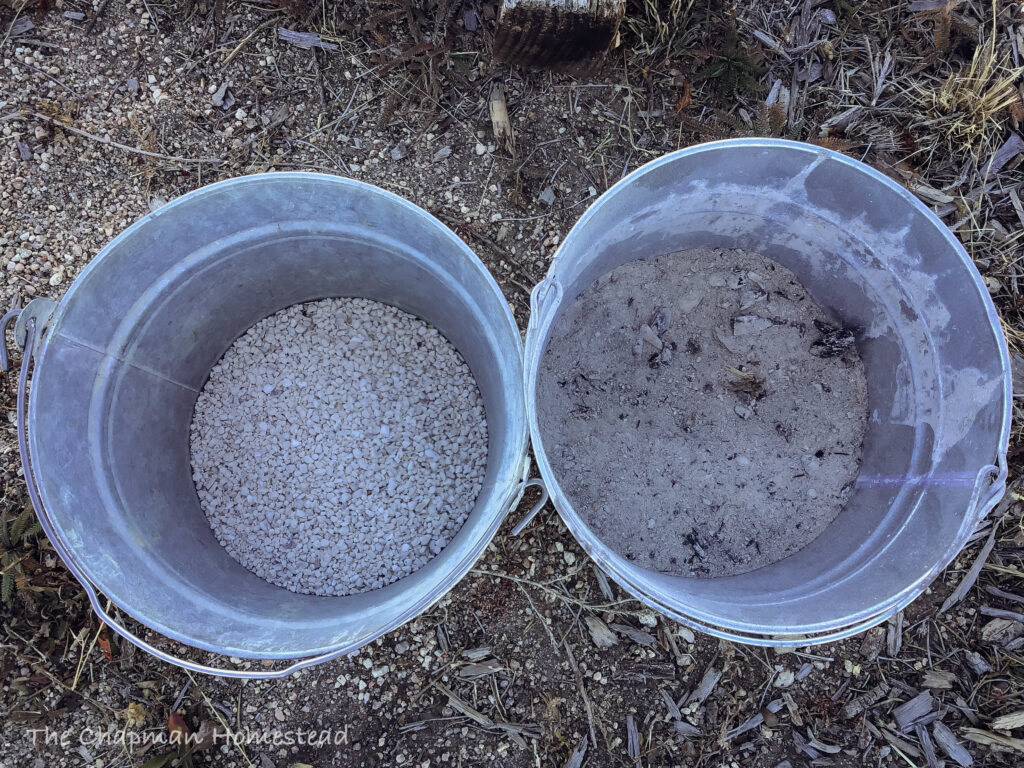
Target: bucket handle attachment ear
{"x":33,"y":321}
{"x":545,"y":294}
{"x":995,"y":490}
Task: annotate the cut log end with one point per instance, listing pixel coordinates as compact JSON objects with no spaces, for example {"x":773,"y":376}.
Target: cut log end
{"x":557,"y":34}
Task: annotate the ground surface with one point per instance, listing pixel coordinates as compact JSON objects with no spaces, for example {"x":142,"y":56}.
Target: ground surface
{"x":195,"y":91}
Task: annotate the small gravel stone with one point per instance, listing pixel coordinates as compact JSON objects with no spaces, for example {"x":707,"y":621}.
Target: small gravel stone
{"x":359,"y":474}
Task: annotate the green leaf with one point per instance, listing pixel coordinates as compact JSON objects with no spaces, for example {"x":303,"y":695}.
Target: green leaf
{"x":21,"y":522}
{"x":7,"y":588}
{"x":5,"y":534}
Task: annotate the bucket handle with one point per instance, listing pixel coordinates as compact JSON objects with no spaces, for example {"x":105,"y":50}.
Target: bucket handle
{"x":28,"y":319}
{"x":528,"y":517}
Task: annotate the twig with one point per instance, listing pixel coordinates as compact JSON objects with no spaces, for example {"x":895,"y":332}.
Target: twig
{"x":245,"y":40}
{"x":95,"y":17}
{"x":999,"y":613}
{"x":972,"y":575}
{"x":611,"y":607}
{"x":583,"y":691}
{"x":992,"y":590}
{"x":152,"y":16}
{"x":551,"y":635}
{"x":125,"y":147}
{"x":48,"y":76}
{"x":86,"y":652}
{"x":220,"y":718}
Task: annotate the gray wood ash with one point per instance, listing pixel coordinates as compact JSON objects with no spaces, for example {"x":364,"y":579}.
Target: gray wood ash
{"x":704,"y":415}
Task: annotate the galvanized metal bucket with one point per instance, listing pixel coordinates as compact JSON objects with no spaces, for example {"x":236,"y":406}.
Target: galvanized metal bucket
{"x":935,"y":356}
{"x":124,"y":355}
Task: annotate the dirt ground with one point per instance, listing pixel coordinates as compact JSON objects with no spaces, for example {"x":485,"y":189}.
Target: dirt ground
{"x":109,"y":110}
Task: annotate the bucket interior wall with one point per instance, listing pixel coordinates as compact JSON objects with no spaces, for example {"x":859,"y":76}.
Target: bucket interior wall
{"x":133,"y":344}
{"x":929,"y":339}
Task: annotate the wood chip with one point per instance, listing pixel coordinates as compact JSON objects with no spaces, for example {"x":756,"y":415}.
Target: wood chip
{"x":476,"y":654}
{"x":755,"y":721}
{"x":873,"y":643}
{"x":646,"y":672}
{"x":926,"y":746}
{"x":686,"y":731}
{"x":914,"y":711}
{"x":576,"y":758}
{"x":500,"y":123}
{"x":1010,"y":148}
{"x":970,"y":577}
{"x":897,"y":743}
{"x":481,"y":669}
{"x":794,"y":712}
{"x":1008,"y":722}
{"x":20,"y":26}
{"x":305,"y":40}
{"x":706,"y":686}
{"x":647,"y":334}
{"x":632,"y":741}
{"x":668,"y":640}
{"x":602,"y":583}
{"x":996,"y":590}
{"x":637,"y":636}
{"x":1002,"y":631}
{"x":865,"y":700}
{"x":830,"y":749}
{"x":967,"y":711}
{"x":949,"y":744}
{"x":937,"y":678}
{"x":977,"y":662}
{"x":803,"y":746}
{"x":894,"y":634}
{"x":670,"y":704}
{"x":602,"y":636}
{"x":516,"y":731}
{"x":990,"y":739}
{"x":460,"y":706}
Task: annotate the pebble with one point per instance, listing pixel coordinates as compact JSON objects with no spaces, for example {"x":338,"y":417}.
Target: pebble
{"x":356,"y":480}
{"x":785,"y":678}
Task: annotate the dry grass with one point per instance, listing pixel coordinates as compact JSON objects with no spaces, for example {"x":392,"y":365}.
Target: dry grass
{"x":971,"y":108}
